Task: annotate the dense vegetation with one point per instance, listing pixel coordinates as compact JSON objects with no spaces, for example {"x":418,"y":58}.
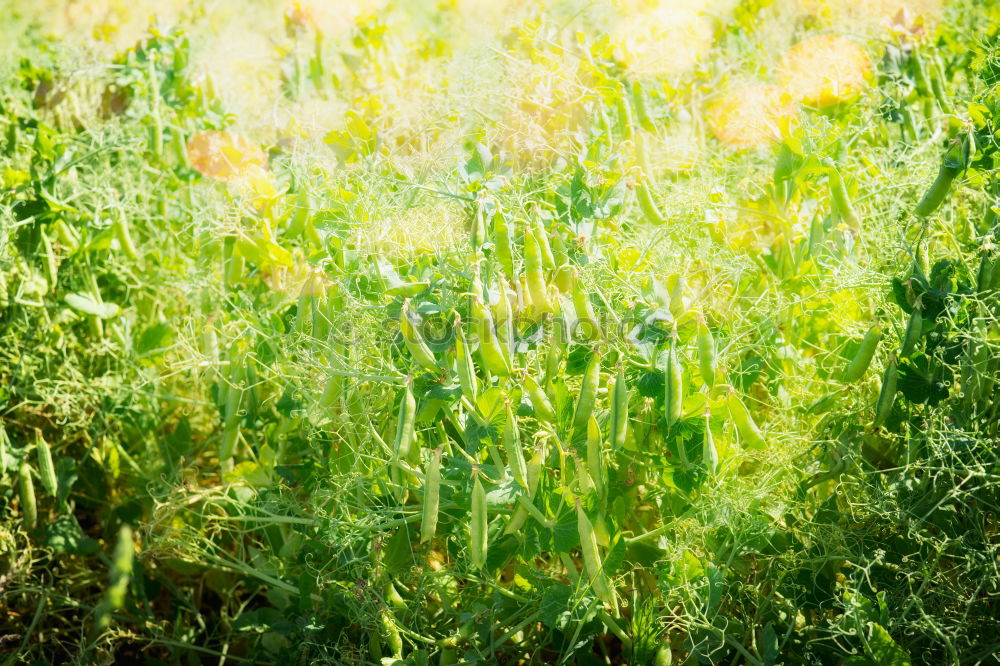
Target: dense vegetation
{"x":500,"y":332}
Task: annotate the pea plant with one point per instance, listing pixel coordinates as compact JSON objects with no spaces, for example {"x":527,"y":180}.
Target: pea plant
{"x":543,"y":333}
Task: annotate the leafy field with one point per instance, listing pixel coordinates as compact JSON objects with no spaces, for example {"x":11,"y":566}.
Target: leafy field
{"x":501,"y":332}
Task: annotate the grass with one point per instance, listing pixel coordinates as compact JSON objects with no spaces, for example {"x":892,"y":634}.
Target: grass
{"x":245,"y":428}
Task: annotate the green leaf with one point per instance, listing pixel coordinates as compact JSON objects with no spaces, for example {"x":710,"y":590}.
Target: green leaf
{"x":650,"y":383}
{"x":615,"y":556}
{"x":899,"y":295}
{"x":769,"y":645}
{"x":578,"y":359}
{"x":554,"y":605}
{"x":64,"y":535}
{"x":787,"y":164}
{"x":154,"y":338}
{"x":67,"y":475}
{"x":644,"y":554}
{"x":397,"y":554}
{"x":249,"y":472}
{"x":922,"y":380}
{"x":883,"y":650}
{"x":491,"y":405}
{"x":565,"y":535}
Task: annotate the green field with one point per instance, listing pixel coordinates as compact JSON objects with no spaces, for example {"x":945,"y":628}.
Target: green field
{"x":500,"y":332}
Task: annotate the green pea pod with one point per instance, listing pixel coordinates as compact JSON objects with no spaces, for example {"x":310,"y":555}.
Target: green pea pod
{"x":587,"y":399}
{"x":505,"y":323}
{"x":501,"y":240}
{"x":559,"y":251}
{"x":156,"y":131}
{"x":824,"y":404}
{"x":937,"y":79}
{"x":673,"y":385}
{"x":937,"y":192}
{"x":664,"y":656}
{"x":120,"y":575}
{"x":595,"y":456}
{"x":491,"y":352}
{"x":535,"y":471}
{"x":553,"y":361}
{"x":231,"y":410}
{"x":539,"y":401}
{"x":583,"y":479}
{"x":862,"y":359}
{"x":987,"y":264}
{"x":51,"y":265}
{"x":332,"y":391}
{"x":709,"y":454}
{"x":478,"y":227}
{"x":565,"y":279}
{"x":914,"y":328}
{"x":983,"y":380}
{"x":477,"y":525}
{"x":467,"y":378}
{"x":923,"y":261}
{"x":586,"y":319}
{"x":619,"y":412}
{"x":592,"y":558}
{"x":414,"y":341}
{"x":841,"y":199}
{"x":534,"y":274}
{"x":641,"y":110}
{"x":534,"y":475}
{"x":29,"y":506}
{"x":512,"y":447}
{"x":887,"y":395}
{"x":403,"y":444}
{"x":67,"y":235}
{"x":4,"y":442}
{"x":648,"y":207}
{"x":390,"y":633}
{"x":625,"y":113}
{"x":920,"y":73}
{"x":432,"y":497}
{"x":745,"y":425}
{"x":46,"y":469}
{"x":678,"y":306}
{"x":121,"y":563}
{"x":642,"y":195}
{"x":124,"y":235}
{"x":951,"y":166}
{"x":707,"y":359}
{"x":233,"y":262}
{"x":178,"y":146}
{"x":524,"y":294}
{"x":603,"y":120}
{"x":542,"y":236}
{"x":392,"y":595}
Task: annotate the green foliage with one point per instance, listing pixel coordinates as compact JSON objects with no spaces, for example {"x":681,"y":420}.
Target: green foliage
{"x":219,"y":368}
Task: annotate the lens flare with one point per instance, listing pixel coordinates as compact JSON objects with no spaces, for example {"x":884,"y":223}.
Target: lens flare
{"x":825,"y":70}
{"x":224,"y":156}
{"x":882,"y":13}
{"x":543,"y":108}
{"x":665,"y":40}
{"x":117,"y":24}
{"x":751,"y":116}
